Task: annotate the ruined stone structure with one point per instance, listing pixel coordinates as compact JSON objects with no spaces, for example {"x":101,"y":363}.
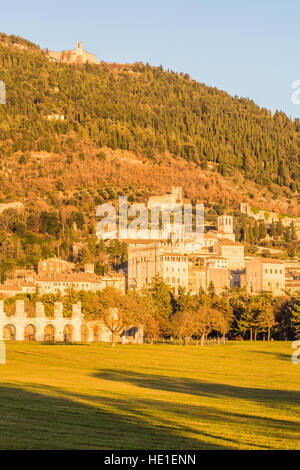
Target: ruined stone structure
{"x":269,"y":217}
{"x":167,"y":200}
{"x":22,"y":327}
{"x":74,"y":56}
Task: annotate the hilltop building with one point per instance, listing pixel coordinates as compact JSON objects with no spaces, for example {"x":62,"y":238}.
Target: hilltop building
{"x":74,"y":56}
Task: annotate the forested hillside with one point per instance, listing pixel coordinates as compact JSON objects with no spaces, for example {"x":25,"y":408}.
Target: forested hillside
{"x":142,"y":109}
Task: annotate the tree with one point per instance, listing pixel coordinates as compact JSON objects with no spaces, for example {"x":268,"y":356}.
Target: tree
{"x":262,"y":230}
{"x":211,"y":290}
{"x":226,"y":319}
{"x":162,"y":297}
{"x":114,"y":320}
{"x":204,"y":322}
{"x":295,"y":316}
{"x":279,"y":228}
{"x":265,"y":318}
{"x":283,"y":315}
{"x":293,"y":231}
{"x":248,"y":318}
{"x":273,"y":230}
{"x":183,"y":325}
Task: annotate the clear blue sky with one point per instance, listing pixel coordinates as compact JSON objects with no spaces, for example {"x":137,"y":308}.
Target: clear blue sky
{"x":249,"y":48}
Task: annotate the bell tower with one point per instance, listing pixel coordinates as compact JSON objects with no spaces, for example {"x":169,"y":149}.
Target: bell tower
{"x":79,"y":44}
{"x":225,"y":223}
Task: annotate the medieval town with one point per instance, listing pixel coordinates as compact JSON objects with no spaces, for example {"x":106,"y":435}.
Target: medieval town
{"x":181,"y":261}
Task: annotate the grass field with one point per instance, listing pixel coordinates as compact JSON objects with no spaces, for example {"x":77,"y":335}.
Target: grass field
{"x":234,"y":396}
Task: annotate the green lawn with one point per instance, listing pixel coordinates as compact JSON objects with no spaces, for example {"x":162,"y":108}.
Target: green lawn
{"x":234,"y":396}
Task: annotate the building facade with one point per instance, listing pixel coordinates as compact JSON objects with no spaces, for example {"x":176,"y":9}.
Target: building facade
{"x":265,"y":274}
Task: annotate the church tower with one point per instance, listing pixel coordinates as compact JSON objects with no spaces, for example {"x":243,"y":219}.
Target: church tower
{"x":225,"y":224}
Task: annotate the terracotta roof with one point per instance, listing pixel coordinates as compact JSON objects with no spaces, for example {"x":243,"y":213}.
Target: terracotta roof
{"x":210,"y":235}
{"x":271,"y":260}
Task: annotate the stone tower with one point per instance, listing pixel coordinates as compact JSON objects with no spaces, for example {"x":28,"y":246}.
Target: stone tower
{"x":225,"y":223}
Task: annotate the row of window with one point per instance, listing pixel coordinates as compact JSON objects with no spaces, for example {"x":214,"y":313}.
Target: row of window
{"x":173,"y":270}
{"x":173,"y":281}
{"x":276,"y":271}
{"x":143,"y":259}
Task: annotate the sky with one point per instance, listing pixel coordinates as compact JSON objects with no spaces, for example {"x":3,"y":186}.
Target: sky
{"x":248,"y":48}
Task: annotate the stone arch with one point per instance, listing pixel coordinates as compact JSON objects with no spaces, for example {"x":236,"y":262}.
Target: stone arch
{"x":49,"y":333}
{"x":68,"y":333}
{"x":9,"y":333}
{"x":30,"y":333}
{"x":84,"y":334}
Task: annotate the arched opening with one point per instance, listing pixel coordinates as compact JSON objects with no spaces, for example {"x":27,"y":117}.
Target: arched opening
{"x":84,"y":334}
{"x":49,"y":333}
{"x":9,"y":333}
{"x":68,"y":333}
{"x":29,"y":333}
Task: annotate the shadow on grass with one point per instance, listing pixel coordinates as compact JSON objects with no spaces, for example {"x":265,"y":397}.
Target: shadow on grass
{"x":201,"y":388}
{"x":286,"y":357}
{"x":138,"y":422}
{"x":32,"y":420}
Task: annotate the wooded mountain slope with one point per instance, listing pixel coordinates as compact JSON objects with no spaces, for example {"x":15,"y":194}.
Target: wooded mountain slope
{"x":142,"y":109}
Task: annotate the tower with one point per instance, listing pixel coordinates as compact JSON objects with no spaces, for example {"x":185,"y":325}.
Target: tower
{"x":79,"y":44}
{"x":225,"y":223}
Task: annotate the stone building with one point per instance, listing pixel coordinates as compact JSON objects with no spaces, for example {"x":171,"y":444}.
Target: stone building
{"x":24,"y":327}
{"x":232,"y":251}
{"x":74,"y":56}
{"x":79,"y":281}
{"x":265,"y":274}
{"x":292,"y":277}
{"x":168,"y":200}
{"x":52,"y":266}
{"x":55,"y":276}
{"x":175,"y":265}
{"x":16,"y":286}
{"x":148,"y":258}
